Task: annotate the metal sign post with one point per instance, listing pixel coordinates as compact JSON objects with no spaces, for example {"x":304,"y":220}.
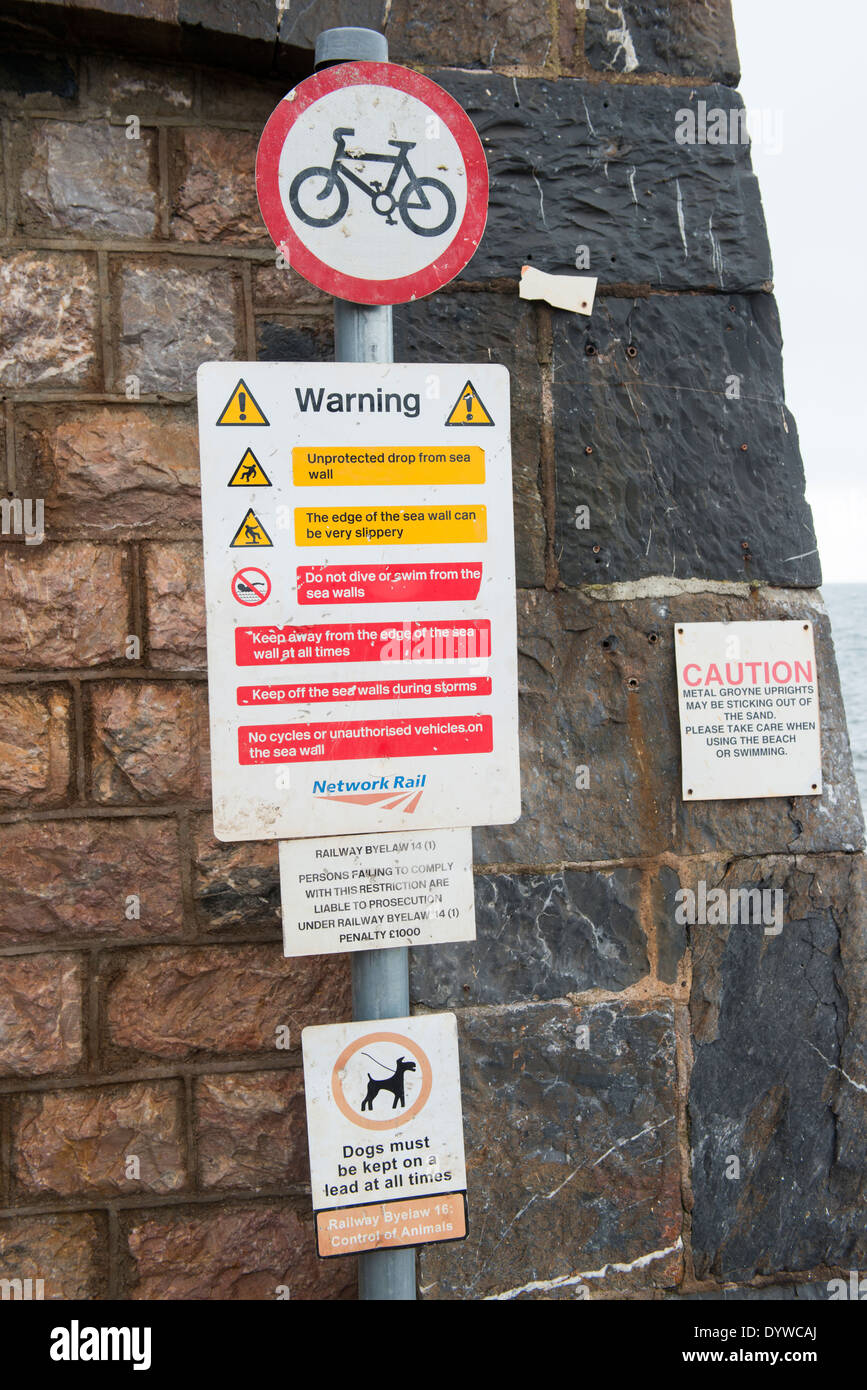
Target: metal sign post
{"x":373,"y":184}
{"x":380,"y":979}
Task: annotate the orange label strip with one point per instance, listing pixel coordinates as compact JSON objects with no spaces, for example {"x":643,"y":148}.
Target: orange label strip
{"x":415,"y":1221}
{"x":375,"y":465}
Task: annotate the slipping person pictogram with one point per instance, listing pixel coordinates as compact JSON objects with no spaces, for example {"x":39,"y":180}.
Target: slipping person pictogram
{"x":251,"y":532}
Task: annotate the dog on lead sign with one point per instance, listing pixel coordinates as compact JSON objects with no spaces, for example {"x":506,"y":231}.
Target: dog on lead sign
{"x":385,"y":1133}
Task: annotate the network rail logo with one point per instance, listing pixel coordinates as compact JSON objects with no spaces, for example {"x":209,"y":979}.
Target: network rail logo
{"x":392,"y":793}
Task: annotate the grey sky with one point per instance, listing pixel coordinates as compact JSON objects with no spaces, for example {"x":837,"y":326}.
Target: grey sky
{"x":808,"y":75}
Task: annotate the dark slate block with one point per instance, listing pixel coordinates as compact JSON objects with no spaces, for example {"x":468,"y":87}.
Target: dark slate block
{"x":494,"y":328}
{"x":572,"y":1154}
{"x":647,"y":386}
{"x":540,"y":936}
{"x":294,"y":340}
{"x":581,"y":163}
{"x":36,"y":75}
{"x":681,"y":38}
{"x":780,"y":1045}
{"x":670,"y":936}
{"x":597,"y":690}
{"x":484,"y":34}
{"x":299,"y":24}
{"x":249,"y":19}
{"x":235,"y":886}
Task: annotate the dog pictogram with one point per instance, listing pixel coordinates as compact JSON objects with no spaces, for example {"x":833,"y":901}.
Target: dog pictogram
{"x":394,"y":1083}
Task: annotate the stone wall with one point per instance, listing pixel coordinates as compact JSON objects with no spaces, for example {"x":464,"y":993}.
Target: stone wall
{"x":152,"y":1137}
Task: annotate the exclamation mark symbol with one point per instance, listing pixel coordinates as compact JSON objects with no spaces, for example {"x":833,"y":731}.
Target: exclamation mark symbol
{"x":242,"y":402}
{"x":468,"y":398}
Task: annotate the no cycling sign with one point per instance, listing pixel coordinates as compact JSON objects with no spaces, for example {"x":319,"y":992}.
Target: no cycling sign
{"x":373,"y":183}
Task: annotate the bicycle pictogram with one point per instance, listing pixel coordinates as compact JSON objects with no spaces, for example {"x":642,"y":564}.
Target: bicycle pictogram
{"x":426,"y":206}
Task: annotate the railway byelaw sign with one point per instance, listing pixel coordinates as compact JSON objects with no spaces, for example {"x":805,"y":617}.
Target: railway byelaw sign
{"x":360,"y":588}
{"x":373,"y":183}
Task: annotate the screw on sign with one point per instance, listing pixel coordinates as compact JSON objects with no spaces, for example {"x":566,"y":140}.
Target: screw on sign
{"x":373,"y":183}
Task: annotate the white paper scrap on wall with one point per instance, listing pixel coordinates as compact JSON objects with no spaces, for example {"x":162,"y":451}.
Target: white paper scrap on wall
{"x":573,"y":292}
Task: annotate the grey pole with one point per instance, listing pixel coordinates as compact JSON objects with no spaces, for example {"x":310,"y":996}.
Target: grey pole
{"x":380,"y":979}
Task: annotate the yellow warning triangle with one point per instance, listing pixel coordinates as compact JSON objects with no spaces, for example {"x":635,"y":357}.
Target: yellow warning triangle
{"x":251,"y":532}
{"x":241,"y":408}
{"x":468,"y":409}
{"x":249,"y":473}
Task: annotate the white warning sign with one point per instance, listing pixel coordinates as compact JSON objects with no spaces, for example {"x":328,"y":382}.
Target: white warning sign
{"x":749,"y":710}
{"x":362,"y":669}
{"x":367,"y":892}
{"x":385,"y":1133}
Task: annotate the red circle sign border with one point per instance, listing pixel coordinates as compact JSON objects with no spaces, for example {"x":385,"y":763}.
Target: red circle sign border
{"x":360,"y":291}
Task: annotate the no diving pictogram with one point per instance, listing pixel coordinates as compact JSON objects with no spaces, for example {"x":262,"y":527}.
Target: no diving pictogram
{"x":251,"y":586}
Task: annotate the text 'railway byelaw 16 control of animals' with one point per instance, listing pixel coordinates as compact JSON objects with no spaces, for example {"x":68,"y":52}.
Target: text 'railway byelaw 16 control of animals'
{"x":360,"y":589}
{"x":385,"y":1133}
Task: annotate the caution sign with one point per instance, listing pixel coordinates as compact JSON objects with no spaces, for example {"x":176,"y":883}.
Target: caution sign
{"x":749,"y":709}
{"x":249,"y":473}
{"x":251,"y":532}
{"x":468,"y":408}
{"x":385,"y":1133}
{"x":241,"y":408}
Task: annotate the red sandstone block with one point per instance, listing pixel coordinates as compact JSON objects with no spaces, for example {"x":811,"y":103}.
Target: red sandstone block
{"x":149,"y":742}
{"x":251,"y":1129}
{"x":62,"y":606}
{"x":106,"y":1139}
{"x":89,"y":878}
{"x":35,"y":746}
{"x":174,"y":1002}
{"x":260,"y":1252}
{"x":111,"y":471}
{"x":68,"y":1253}
{"x":214,"y":195}
{"x":41,"y":1023}
{"x":175,"y":598}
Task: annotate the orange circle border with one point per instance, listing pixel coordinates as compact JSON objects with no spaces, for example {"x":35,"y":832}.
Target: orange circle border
{"x":417,"y":1105}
